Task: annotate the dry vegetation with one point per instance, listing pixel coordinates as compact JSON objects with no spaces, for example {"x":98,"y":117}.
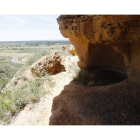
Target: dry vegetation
{"x":12,"y":101}
{"x":15,"y":99}
{"x":23,"y":89}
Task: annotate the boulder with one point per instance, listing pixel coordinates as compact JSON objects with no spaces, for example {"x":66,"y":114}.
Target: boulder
{"x":72,"y":52}
{"x":69,"y":49}
{"x":48,"y":64}
{"x":105,"y":41}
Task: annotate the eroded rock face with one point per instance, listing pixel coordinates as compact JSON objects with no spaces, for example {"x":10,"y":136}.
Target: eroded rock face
{"x":111,"y":41}
{"x":48,"y":64}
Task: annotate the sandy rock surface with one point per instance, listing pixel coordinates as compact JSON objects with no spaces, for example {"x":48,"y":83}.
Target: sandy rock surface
{"x":48,"y":64}
{"x":105,"y":40}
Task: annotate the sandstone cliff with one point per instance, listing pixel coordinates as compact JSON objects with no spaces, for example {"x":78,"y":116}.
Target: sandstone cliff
{"x":102,"y":40}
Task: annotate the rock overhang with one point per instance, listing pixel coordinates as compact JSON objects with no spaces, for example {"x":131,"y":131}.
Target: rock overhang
{"x":105,"y":40}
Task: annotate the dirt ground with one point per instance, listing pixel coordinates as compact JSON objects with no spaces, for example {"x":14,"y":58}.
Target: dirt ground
{"x":117,"y":104}
{"x":70,"y":103}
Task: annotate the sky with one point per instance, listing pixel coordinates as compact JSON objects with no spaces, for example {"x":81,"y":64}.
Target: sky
{"x":29,"y":27}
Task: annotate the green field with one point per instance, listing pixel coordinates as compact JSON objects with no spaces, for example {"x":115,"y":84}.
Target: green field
{"x":9,"y":51}
{"x":7,"y":70}
{"x":27,"y":50}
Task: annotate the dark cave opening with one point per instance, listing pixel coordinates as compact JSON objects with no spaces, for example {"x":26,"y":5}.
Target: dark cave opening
{"x":100,"y":76}
{"x":106,"y":76}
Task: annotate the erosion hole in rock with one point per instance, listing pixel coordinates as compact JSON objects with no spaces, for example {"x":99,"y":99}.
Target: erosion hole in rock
{"x":101,"y":76}
{"x":106,"y":76}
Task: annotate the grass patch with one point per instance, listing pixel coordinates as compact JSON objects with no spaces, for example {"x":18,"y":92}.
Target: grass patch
{"x":12,"y":101}
{"x":9,"y":51}
{"x":7,"y":70}
{"x":20,"y":58}
{"x":27,"y":50}
{"x":37,"y":55}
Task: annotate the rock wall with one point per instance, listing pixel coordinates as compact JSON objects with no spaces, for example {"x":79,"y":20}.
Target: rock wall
{"x":101,"y":40}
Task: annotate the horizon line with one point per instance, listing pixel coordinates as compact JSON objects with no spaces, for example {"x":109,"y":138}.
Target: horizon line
{"x":35,"y":40}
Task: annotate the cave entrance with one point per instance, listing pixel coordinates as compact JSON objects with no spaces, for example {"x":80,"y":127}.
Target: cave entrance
{"x":105,"y":66}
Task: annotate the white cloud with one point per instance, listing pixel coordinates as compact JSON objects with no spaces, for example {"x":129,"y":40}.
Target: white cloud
{"x":43,"y":27}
